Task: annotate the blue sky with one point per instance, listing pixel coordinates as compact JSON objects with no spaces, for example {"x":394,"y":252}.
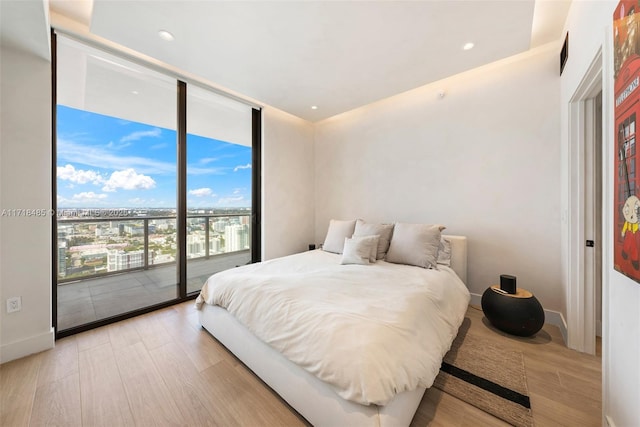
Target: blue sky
{"x":108,"y":162}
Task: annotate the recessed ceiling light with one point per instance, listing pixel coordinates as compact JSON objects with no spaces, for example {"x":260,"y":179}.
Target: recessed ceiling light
{"x":135,"y":92}
{"x":314,"y":107}
{"x":468,"y":46}
{"x":165,"y":35}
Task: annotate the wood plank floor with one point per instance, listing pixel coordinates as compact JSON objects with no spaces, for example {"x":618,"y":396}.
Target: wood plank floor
{"x":162,"y":368}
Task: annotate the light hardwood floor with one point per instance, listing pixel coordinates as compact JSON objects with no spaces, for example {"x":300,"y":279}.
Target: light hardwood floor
{"x":162,"y":368}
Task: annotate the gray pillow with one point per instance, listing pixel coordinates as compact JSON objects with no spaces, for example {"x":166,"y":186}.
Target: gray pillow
{"x":338,"y":231}
{"x":382,"y":230}
{"x":415,"y":244}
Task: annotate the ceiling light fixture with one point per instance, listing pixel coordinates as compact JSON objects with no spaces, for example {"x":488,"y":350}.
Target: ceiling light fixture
{"x":135,"y":92}
{"x":468,"y":46}
{"x":165,"y":35}
{"x":314,"y":107}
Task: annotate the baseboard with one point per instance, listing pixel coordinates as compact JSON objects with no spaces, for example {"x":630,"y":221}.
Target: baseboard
{"x":552,"y":317}
{"x":31,"y":345}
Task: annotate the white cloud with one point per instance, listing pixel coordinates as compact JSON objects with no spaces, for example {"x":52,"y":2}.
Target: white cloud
{"x":195,"y":170}
{"x":128,"y":179}
{"x":134,"y":136}
{"x":233,"y":201}
{"x":98,"y":157}
{"x":88,"y":196}
{"x":237,"y":168}
{"x":201,"y":192}
{"x":70,"y":173}
{"x":159,"y":146}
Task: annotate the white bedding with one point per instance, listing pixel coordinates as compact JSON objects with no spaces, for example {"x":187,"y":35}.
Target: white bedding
{"x":371,"y":331}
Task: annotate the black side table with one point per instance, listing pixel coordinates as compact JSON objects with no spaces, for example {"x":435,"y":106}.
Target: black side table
{"x":518,"y":314}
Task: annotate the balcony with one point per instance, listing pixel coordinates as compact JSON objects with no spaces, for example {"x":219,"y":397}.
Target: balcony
{"x":110,"y":266}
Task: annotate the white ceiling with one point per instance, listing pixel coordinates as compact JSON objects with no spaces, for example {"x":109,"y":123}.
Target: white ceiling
{"x":24,"y":26}
{"x":338,"y":55}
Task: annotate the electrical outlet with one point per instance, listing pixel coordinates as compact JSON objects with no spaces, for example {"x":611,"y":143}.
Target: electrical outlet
{"x":14,"y":304}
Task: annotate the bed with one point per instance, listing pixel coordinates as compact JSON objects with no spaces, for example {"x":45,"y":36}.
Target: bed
{"x":309,"y":388}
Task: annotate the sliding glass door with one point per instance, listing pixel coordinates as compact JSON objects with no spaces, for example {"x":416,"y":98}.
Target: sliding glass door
{"x":218,"y":185}
{"x":116,"y":185}
{"x":152,"y":194}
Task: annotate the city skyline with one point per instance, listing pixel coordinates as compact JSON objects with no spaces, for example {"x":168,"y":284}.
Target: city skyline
{"x":87,"y":248}
{"x":129,"y":212}
{"x":106,"y":162}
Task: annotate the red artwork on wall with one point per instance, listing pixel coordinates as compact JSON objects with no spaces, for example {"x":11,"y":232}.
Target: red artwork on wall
{"x":626,"y":46}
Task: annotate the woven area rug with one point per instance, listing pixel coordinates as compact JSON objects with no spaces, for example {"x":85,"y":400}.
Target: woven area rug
{"x":488,"y":377}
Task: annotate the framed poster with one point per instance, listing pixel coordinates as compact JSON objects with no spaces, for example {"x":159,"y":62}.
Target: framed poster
{"x":626,"y":52}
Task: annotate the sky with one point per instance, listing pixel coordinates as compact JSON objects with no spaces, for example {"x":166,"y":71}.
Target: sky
{"x":106,"y":162}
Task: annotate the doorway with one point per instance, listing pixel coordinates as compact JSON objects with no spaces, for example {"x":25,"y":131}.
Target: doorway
{"x":584,"y":310}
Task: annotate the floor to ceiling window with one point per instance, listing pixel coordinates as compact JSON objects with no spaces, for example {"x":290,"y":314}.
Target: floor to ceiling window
{"x":218,"y":184}
{"x":121,"y":243}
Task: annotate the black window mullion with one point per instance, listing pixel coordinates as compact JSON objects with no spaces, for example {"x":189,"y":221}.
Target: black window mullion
{"x":181,"y":208}
{"x":54,"y":184}
{"x":256,"y":185}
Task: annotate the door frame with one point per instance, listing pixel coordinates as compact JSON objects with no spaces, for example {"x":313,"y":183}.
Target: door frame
{"x":581,"y":292}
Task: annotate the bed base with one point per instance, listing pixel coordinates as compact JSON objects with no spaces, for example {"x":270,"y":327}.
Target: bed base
{"x":312,"y":398}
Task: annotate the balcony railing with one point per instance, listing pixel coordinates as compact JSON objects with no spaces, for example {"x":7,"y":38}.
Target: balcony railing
{"x":96,"y":247}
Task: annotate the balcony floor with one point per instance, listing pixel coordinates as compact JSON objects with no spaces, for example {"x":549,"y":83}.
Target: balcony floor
{"x":94,"y":299}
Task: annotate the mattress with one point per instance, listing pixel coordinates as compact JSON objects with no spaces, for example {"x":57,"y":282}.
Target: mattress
{"x":369,"y":332}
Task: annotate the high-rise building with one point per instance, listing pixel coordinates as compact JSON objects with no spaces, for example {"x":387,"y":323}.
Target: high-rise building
{"x":134,"y":229}
{"x":196,"y":246}
{"x":236,"y":237}
{"x":220,"y":225}
{"x":62,"y":258}
{"x":215,"y":245}
{"x":121,"y":260}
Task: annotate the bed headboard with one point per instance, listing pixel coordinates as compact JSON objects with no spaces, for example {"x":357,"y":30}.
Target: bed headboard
{"x":458,"y":255}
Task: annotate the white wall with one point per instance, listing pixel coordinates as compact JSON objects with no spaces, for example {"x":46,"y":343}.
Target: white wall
{"x":484,"y":160}
{"x":590,"y":25}
{"x":25,"y":183}
{"x":288,"y":197}
{"x":287,"y":184}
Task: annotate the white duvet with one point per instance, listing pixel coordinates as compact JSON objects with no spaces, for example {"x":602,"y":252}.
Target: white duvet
{"x":370,"y":331}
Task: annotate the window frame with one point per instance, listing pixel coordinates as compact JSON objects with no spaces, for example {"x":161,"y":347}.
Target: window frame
{"x":181,"y":177}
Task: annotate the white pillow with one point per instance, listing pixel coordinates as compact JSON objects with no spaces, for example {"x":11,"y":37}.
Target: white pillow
{"x":444,"y":252}
{"x":359,"y":250}
{"x":338,"y":231}
{"x":382,"y":230}
{"x":415,"y":244}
